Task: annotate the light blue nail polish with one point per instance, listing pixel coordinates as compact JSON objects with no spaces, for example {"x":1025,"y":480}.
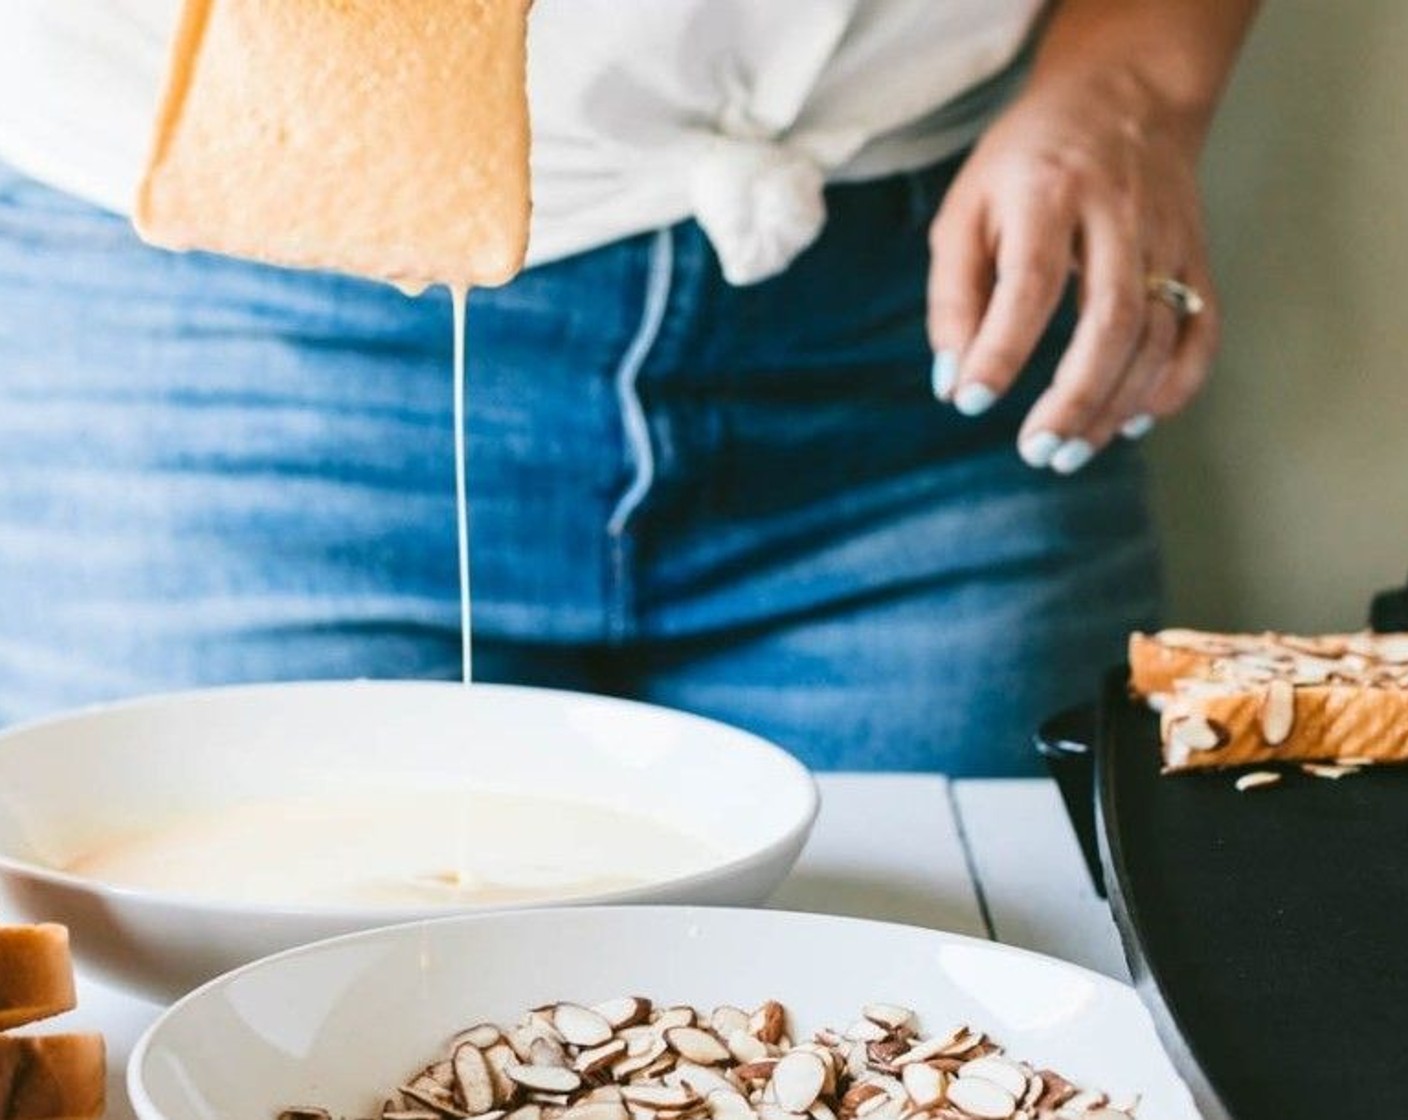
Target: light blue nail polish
{"x":1071,"y":456}
{"x":1137,"y":427}
{"x":945,"y":373}
{"x":1036,"y":450}
{"x":974,"y":399}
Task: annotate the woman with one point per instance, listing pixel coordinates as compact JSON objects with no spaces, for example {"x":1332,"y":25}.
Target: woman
{"x":707,"y":464}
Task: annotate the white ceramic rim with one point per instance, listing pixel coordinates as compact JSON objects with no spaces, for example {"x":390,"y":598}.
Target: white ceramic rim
{"x":795,"y":834}
{"x":143,"y":1103}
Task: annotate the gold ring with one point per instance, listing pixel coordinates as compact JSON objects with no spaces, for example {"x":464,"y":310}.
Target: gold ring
{"x":1185,"y":299}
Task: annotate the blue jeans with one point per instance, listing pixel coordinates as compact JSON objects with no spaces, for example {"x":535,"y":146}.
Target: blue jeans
{"x":742,"y":502}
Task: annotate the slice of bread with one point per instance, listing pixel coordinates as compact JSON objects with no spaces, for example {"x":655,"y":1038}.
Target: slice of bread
{"x":36,"y":974}
{"x":385,"y":138}
{"x":53,"y":1077}
{"x":1238,"y":699}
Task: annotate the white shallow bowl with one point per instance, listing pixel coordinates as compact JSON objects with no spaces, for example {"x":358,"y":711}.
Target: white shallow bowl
{"x":69,"y":784}
{"x":341,"y":1023}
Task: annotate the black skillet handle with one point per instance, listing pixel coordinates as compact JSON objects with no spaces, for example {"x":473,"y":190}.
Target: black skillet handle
{"x":1067,"y":742}
{"x":1389,"y":614}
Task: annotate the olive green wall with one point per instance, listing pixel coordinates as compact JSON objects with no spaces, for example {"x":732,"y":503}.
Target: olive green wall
{"x":1284,"y":492}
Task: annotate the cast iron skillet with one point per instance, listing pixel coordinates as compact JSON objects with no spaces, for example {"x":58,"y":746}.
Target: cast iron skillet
{"x":1267,"y":931}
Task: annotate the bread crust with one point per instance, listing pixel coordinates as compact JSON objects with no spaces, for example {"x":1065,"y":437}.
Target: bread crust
{"x":36,"y":974}
{"x":385,"y":138}
{"x":53,"y":1077}
{"x":1346,"y":696}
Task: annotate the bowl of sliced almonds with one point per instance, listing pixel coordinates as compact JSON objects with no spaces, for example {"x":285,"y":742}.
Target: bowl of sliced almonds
{"x":657,"y":1013}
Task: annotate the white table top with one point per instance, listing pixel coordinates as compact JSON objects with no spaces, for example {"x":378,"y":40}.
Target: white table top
{"x":992,"y":858}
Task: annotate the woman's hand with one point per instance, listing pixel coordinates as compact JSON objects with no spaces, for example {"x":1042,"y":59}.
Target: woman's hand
{"x":1078,"y":176}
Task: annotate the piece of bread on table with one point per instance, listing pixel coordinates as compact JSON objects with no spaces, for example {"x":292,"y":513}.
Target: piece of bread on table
{"x":1240,"y":699}
{"x":52,"y":1077}
{"x":36,"y":974}
{"x":385,"y":138}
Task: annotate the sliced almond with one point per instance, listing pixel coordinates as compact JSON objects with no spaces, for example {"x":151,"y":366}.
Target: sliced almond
{"x":1321,"y":770}
{"x":726,"y":1019}
{"x":539,"y":1022}
{"x":882,"y":1108}
{"x":1256,"y":779}
{"x":526,"y":1112}
{"x":442,"y":1073}
{"x":1085,"y":1102}
{"x":474,"y":1084}
{"x":981,"y":1098}
{"x":634,"y":1063}
{"x":873,"y":1103}
{"x":828,"y":1062}
{"x":521,"y":1039}
{"x":581,"y":1026}
{"x":661,"y":1096}
{"x":386,"y":1114}
{"x":747,"y":1048}
{"x":599,"y":1058}
{"x":1278,"y":712}
{"x":856,"y":1097}
{"x":889,"y":1015}
{"x":1197,"y":733}
{"x":1000,"y":1071}
{"x":658,"y":1068}
{"x":673,"y":1017}
{"x":626,"y":1011}
{"x":545,"y":1051}
{"x":883,"y":1054}
{"x":923,"y":1051}
{"x":597,"y":1110}
{"x":696,"y":1045}
{"x":1056,"y":1091}
{"x":728,"y":1105}
{"x":798,"y":1079}
{"x":756,"y":1071}
{"x":482,"y":1036}
{"x":701,"y":1079}
{"x":500,"y":1057}
{"x":546,"y":1079}
{"x":768,"y":1023}
{"x":965,"y":1040}
{"x":924,"y":1084}
{"x":1035,"y":1088}
{"x":866,"y":1030}
{"x":1392,"y":648}
{"x":425,"y":1092}
{"x":639,"y":1039}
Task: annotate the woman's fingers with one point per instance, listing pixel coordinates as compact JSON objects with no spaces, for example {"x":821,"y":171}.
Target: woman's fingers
{"x":1005,"y":243}
{"x":1033,"y":265}
{"x":960,"y":285}
{"x":1114,"y":306}
{"x":1126,"y":411}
